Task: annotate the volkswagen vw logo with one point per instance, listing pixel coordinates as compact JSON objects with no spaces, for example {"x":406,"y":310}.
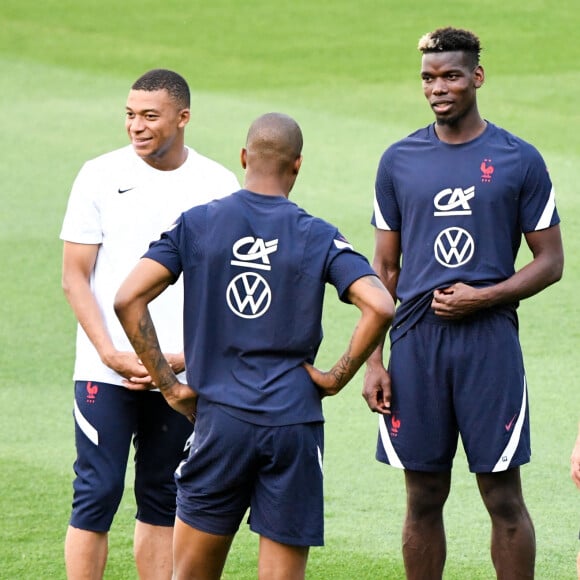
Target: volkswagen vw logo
{"x":454,"y":247}
{"x":248,"y":295}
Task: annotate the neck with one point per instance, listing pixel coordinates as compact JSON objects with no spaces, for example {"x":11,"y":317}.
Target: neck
{"x":169,"y":161}
{"x":267,"y":185}
{"x":462,"y":131}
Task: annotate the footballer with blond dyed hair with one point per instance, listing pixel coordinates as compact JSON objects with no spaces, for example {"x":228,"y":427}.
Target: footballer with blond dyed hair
{"x":453,"y":201}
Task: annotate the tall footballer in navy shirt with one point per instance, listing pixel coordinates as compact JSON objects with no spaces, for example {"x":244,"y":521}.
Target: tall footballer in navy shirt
{"x":254,"y":269}
{"x":452,"y":202}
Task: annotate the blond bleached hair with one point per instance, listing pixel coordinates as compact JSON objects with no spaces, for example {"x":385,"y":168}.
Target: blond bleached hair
{"x":451,"y":39}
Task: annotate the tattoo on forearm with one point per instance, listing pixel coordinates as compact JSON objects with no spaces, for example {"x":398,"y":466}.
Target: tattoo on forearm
{"x":341,"y":369}
{"x":146,"y":345}
{"x":347,"y":366}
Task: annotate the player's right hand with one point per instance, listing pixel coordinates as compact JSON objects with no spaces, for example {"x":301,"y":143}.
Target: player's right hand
{"x":377,"y":389}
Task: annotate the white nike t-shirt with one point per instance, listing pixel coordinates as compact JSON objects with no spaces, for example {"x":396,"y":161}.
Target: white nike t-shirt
{"x":123,"y":204}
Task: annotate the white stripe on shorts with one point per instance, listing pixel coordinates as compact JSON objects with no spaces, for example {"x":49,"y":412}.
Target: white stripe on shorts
{"x":85,"y":426}
{"x":508,"y":453}
{"x":388,"y":445}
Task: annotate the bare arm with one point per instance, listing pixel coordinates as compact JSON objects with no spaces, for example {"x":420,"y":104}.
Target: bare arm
{"x":575,"y":461}
{"x":77,"y":266}
{"x":147,"y":280}
{"x":386,"y":262}
{"x":376,"y":306}
{"x":545,"y":268}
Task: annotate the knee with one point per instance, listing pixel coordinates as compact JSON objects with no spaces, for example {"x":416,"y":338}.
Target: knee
{"x":508,"y":508}
{"x":427,"y":496}
{"x":502,"y":496}
{"x":95,"y":504}
{"x":506,"y":505}
{"x":110,"y":494}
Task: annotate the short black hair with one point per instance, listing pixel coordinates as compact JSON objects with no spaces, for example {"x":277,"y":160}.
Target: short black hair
{"x":274,"y":142}
{"x":162,"y":79}
{"x":450,"y":39}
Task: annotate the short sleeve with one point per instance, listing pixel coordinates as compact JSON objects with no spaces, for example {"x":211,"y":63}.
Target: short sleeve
{"x":82,"y":220}
{"x":166,"y":250}
{"x":537,"y":200}
{"x":345,"y":265}
{"x":386,"y":213}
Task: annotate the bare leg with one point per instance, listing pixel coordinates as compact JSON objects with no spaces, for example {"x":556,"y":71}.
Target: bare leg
{"x":513,"y":541}
{"x":281,"y":561}
{"x":153,"y":551}
{"x":198,"y":555}
{"x":85,"y":554}
{"x":424,"y":547}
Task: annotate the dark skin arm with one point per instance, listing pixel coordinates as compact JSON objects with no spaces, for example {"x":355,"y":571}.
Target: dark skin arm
{"x":575,"y":461}
{"x":377,"y":309}
{"x":459,"y":300}
{"x":147,"y":280}
{"x":386,"y":262}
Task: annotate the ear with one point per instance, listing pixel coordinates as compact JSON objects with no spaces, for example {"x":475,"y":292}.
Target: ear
{"x":478,"y":76}
{"x":297,"y":165}
{"x":244,"y":157}
{"x":184,"y":116}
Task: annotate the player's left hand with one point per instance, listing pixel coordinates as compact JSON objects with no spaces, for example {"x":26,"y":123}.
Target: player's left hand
{"x":456,"y":301}
{"x":176,"y":362}
{"x":139,"y":383}
{"x":182,"y":398}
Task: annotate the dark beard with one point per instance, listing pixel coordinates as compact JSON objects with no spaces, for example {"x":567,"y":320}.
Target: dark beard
{"x":449,"y":121}
{"x":455,"y":120}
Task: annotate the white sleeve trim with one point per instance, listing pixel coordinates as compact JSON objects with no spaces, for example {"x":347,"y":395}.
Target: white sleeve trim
{"x":380,"y":221}
{"x":548,"y":212}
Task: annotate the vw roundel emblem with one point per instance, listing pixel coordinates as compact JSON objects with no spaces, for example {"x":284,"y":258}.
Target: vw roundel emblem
{"x":454,"y":247}
{"x":248,"y":295}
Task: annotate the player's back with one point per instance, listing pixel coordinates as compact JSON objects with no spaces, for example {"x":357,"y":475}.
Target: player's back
{"x":255,"y":288}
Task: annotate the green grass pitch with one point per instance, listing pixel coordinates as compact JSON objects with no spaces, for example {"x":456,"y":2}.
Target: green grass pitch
{"x":349,"y":73}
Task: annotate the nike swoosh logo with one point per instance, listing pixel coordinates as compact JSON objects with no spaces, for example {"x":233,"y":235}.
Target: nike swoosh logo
{"x":125,"y":190}
{"x":508,"y":426}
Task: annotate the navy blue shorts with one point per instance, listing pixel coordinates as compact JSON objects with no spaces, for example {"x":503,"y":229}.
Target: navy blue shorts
{"x":275,"y":471}
{"x":107,"y":418}
{"x":452,"y":378}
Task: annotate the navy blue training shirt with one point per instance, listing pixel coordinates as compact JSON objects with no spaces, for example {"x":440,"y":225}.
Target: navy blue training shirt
{"x":254,"y":272}
{"x":460,"y":209}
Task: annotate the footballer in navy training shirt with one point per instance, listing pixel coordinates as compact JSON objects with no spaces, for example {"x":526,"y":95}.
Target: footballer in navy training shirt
{"x":452,"y":203}
{"x":254,"y":267}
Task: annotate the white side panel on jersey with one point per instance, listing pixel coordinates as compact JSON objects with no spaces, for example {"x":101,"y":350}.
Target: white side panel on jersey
{"x":388,"y":446}
{"x":508,"y":453}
